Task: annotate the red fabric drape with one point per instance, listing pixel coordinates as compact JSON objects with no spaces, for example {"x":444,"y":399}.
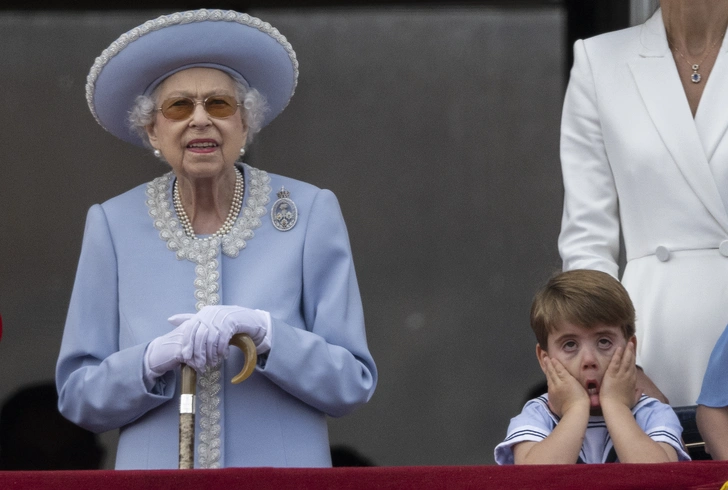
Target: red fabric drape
{"x":692,"y":475}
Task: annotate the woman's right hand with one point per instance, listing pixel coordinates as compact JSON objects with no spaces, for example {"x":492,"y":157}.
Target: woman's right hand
{"x":218,"y":323}
{"x":203,"y":338}
{"x":184,"y":344}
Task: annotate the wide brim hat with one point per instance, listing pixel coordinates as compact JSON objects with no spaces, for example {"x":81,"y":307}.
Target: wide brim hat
{"x":243,"y":46}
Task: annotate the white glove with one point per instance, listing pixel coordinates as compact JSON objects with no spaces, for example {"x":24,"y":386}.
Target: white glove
{"x":221,"y":322}
{"x":168,"y":351}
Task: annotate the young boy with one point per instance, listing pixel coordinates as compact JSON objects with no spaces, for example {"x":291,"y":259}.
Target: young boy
{"x":584,"y":323}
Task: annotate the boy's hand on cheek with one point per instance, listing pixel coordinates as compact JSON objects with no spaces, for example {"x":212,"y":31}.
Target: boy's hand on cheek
{"x":565,"y":392}
{"x":620,"y":380}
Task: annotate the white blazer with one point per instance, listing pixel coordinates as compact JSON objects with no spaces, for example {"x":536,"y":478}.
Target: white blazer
{"x":634,"y":160}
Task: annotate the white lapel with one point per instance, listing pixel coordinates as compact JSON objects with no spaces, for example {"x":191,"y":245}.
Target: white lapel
{"x":712,"y":116}
{"x":659,"y":85}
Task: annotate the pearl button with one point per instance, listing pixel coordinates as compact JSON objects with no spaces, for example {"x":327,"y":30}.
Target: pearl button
{"x":723,"y":248}
{"x":662,"y":253}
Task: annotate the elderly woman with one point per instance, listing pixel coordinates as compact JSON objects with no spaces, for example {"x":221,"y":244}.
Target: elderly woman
{"x":644,"y":154}
{"x":171,"y":270}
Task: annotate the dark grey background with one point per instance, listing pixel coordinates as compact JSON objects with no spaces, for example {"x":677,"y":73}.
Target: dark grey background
{"x":437,"y":128}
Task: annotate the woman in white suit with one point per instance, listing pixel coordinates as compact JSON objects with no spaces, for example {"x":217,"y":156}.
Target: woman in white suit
{"x":644,"y":152}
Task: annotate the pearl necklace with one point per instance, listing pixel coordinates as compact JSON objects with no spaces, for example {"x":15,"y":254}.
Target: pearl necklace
{"x":232,"y":216}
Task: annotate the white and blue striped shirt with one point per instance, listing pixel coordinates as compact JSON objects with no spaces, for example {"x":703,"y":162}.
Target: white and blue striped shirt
{"x":536,"y":422}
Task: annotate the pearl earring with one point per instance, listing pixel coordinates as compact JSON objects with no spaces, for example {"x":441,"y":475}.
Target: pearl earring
{"x":242,"y":152}
{"x":157,"y":153}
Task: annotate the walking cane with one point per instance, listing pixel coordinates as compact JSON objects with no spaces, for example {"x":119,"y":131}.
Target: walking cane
{"x":187,"y":400}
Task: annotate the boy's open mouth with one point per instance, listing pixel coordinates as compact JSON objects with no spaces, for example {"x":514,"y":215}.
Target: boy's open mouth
{"x":592,"y":388}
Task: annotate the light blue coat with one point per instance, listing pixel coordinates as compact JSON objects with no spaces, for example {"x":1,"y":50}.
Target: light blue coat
{"x":128,"y":283}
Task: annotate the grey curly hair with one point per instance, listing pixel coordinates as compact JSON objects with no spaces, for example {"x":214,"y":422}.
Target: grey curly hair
{"x":253,"y":102}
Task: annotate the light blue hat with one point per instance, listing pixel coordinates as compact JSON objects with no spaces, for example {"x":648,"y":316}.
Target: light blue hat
{"x":243,"y":46}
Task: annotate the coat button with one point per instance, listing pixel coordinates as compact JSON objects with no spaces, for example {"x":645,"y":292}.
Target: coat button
{"x":723,"y":248}
{"x":663,"y":254}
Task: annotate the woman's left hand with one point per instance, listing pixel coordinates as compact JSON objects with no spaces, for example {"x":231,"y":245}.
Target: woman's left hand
{"x":220,"y":322}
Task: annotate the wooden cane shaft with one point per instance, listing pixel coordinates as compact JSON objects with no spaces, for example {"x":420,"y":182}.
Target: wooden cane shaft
{"x":186,"y":441}
{"x":187,"y":419}
{"x":187,"y":400}
{"x":189,"y":380}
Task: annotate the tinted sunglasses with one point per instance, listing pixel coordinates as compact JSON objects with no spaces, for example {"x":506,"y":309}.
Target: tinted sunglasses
{"x":218,"y":106}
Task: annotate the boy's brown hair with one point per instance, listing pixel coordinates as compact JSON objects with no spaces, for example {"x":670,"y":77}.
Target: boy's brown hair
{"x":586,"y":298}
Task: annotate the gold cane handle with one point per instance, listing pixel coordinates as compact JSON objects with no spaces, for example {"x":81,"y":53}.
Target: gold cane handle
{"x":245,"y":343}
